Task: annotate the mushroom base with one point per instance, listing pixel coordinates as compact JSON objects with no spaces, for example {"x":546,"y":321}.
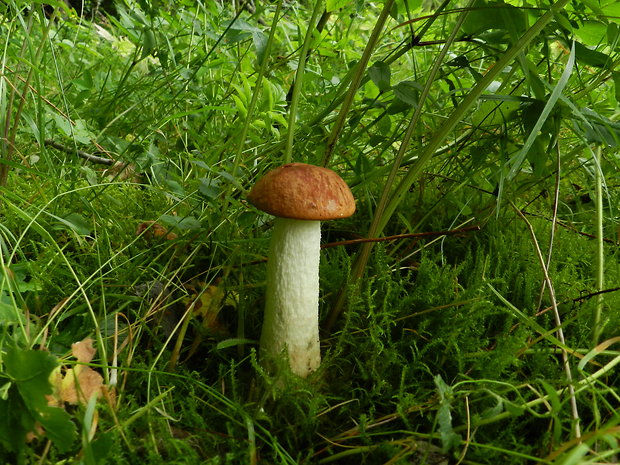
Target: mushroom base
{"x":291,"y":322}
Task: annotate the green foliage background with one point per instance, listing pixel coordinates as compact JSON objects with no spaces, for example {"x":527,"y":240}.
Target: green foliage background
{"x":494,"y":121}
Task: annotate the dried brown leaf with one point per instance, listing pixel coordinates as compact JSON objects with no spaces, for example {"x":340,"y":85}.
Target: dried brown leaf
{"x":154,"y":230}
{"x":78,"y":384}
{"x":83,"y":351}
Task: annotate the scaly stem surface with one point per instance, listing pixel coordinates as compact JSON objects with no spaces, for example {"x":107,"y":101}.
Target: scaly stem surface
{"x":291,"y":319}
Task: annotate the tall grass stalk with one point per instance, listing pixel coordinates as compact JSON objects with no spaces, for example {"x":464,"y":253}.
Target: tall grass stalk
{"x":257,"y":88}
{"x":298,"y":82}
{"x":82,"y":285}
{"x":391,"y":58}
{"x":440,"y":136}
{"x":12,"y":125}
{"x":558,"y":324}
{"x":360,"y":71}
{"x":459,"y":112}
{"x":600,"y":250}
{"x":373,"y":231}
{"x":554,"y":217}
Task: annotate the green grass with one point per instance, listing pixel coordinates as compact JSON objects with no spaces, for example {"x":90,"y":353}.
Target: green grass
{"x":436,"y":349}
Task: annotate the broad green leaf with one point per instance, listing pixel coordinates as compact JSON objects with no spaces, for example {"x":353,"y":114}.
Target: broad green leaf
{"x":209,"y":188}
{"x":15,"y":421}
{"x":611,"y":10}
{"x":384,"y":125}
{"x":101,"y":446}
{"x":443,"y":389}
{"x":362,"y":166}
{"x":592,"y":57}
{"x":613,"y":33}
{"x":530,"y":112}
{"x":575,"y":456}
{"x":75,"y":222}
{"x":404,"y":6}
{"x":58,"y":427}
{"x":243,"y":111}
{"x":29,"y":371}
{"x":600,"y":130}
{"x":56,"y":4}
{"x":4,"y":390}
{"x":408,"y":92}
{"x":449,"y":439}
{"x":9,"y":315}
{"x":592,"y":33}
{"x":493,"y":411}
{"x":149,"y":42}
{"x":397,"y":106}
{"x":230,"y":178}
{"x":81,"y":133}
{"x":380,"y":74}
{"x":616,"y":78}
{"x":493,"y":16}
{"x":553,"y":398}
{"x":517,"y":160}
{"x":85,"y":81}
{"x":514,"y":409}
{"x":241,"y":25}
{"x":183,"y":223}
{"x":376,"y":140}
{"x":237,"y":35}
{"x":61,"y":123}
{"x":90,"y":175}
{"x":78,"y":131}
{"x":175,"y":187}
{"x":493,"y":113}
{"x":241,"y":30}
{"x":333,"y":5}
{"x":564,"y":22}
{"x":460,"y":61}
{"x":19,"y":278}
{"x":259,"y":39}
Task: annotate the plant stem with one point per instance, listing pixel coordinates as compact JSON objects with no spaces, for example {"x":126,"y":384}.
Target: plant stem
{"x":375,"y":228}
{"x":600,"y":257}
{"x":360,"y":70}
{"x":558,"y":323}
{"x":554,"y":217}
{"x":298,"y":83}
{"x":442,"y":133}
{"x":460,"y":111}
{"x":257,"y":89}
{"x":392,"y":57}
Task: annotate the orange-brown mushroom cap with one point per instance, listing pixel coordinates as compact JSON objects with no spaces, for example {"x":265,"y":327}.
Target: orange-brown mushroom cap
{"x":303,"y":192}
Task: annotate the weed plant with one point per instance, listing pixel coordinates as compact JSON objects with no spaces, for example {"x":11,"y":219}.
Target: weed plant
{"x":129,"y":140}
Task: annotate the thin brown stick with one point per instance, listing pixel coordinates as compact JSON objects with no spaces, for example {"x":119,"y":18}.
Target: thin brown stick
{"x":580,"y":299}
{"x":558,"y":323}
{"x":35,"y":91}
{"x":80,"y":153}
{"x":571,"y":228}
{"x":397,"y":237}
{"x":449,"y":232}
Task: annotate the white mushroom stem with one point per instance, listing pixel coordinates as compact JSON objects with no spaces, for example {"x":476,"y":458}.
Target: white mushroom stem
{"x":291,"y":318}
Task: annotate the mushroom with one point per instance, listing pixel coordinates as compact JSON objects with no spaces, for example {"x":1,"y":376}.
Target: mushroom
{"x":300,"y":196}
